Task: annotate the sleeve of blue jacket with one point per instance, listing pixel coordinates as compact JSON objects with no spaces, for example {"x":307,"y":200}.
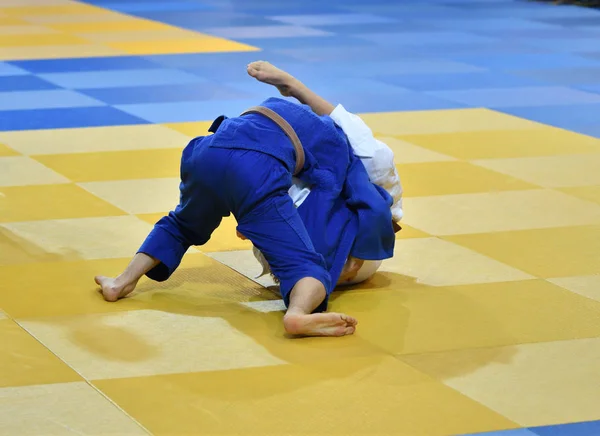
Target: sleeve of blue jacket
{"x":375,"y":237}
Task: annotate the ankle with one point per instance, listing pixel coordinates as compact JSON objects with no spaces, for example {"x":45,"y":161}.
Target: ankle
{"x":122,"y":282}
{"x":297,"y":89}
{"x":293,"y":322}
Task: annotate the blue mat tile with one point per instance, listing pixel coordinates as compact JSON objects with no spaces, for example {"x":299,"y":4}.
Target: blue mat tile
{"x":48,"y":99}
{"x":572,"y":45}
{"x":187,"y":111}
{"x":358,"y":29}
{"x":575,"y":429}
{"x":217,"y":60}
{"x":565,"y":76}
{"x":592,"y":55}
{"x":529,"y":61}
{"x":10,"y":70}
{"x":203,"y":20}
{"x":494,"y":24}
{"x":406,"y":11}
{"x":591,"y":88}
{"x":167,"y":93}
{"x":347,"y":54}
{"x":157,"y":6}
{"x":576,"y":21}
{"x":66,"y":118}
{"x":337,"y":41}
{"x":447,"y":82}
{"x":514,"y":97}
{"x":567,"y":117}
{"x":409,"y":66}
{"x":332,"y":19}
{"x":591,"y":130}
{"x":454,"y":51}
{"x":257,"y":32}
{"x":517,"y":432}
{"x":425,"y":38}
{"x":24,"y":83}
{"x":390,"y":101}
{"x":218,"y":74}
{"x":285,"y":8}
{"x":111,"y":79}
{"x":524,"y":10}
{"x":85,"y":64}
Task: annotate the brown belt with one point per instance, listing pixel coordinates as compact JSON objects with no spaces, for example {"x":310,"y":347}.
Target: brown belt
{"x":287,"y":129}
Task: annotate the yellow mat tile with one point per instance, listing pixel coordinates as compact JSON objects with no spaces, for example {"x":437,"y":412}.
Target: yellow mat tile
{"x":131,"y":25}
{"x":279,"y":399}
{"x":149,"y":342}
{"x":532,"y":384}
{"x":43,"y":39}
{"x":590,"y":193}
{"x":409,"y":319}
{"x":243,"y":261}
{"x":90,"y":139}
{"x":141,"y":36}
{"x":2,"y":315}
{"x":553,"y":252}
{"x":57,"y":51}
{"x":454,"y":265}
{"x":442,"y":178}
{"x":82,"y":17}
{"x":24,"y":361}
{"x":406,"y":152}
{"x":43,"y":202}
{"x":20,"y":170}
{"x":197,"y":285}
{"x":588,"y":286}
{"x":11,"y":21}
{"x":6,"y":151}
{"x":204,"y":44}
{"x":409,"y":232}
{"x":551,"y":171}
{"x":24,"y":30}
{"x":16,"y":250}
{"x":492,"y":144}
{"x":443,"y":121}
{"x":84,"y":238}
{"x":115,"y":165}
{"x":38,"y":3}
{"x":62,"y":409}
{"x":224,"y":237}
{"x":138,"y":196}
{"x":191,"y":129}
{"x":52,"y":9}
{"x":496,"y":212}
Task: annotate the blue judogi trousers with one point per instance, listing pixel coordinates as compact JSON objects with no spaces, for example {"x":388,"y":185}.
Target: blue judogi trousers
{"x":254,"y":187}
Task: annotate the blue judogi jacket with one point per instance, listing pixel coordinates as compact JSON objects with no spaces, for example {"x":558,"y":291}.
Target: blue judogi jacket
{"x":345,"y":214}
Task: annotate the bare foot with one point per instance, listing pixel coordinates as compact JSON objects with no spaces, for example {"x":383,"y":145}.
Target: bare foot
{"x":319,"y":324}
{"x":271,"y":75}
{"x":111,"y":289}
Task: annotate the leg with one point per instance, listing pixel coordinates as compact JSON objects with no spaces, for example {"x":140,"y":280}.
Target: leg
{"x":119,"y":287}
{"x":277,"y":231}
{"x":306,"y":296}
{"x":289,"y":86}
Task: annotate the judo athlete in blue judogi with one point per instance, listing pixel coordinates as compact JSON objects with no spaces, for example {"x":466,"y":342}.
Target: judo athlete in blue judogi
{"x":245,"y":168}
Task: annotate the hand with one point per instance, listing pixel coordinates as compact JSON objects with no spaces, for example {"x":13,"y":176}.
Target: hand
{"x":351,"y":268}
